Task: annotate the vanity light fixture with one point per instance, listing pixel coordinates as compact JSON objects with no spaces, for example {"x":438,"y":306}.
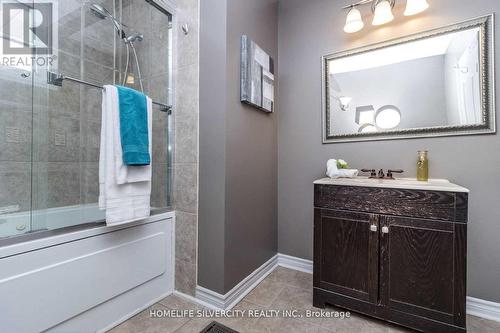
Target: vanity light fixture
{"x":354,"y":22}
{"x":382,"y":12}
{"x":344,"y":102}
{"x":414,"y":7}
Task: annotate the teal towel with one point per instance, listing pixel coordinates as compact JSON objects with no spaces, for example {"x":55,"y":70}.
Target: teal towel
{"x":134,"y":126}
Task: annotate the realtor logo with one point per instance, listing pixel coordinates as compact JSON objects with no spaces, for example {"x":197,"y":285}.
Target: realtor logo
{"x":27,"y":27}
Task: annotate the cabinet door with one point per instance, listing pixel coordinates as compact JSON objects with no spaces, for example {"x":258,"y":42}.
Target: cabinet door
{"x":346,"y":253}
{"x":423,"y":268}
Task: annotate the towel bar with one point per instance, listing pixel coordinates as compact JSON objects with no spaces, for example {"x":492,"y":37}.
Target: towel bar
{"x":56,"y":79}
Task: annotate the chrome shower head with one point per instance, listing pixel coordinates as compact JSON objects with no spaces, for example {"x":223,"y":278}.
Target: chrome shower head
{"x":134,"y":37}
{"x":102,"y":13}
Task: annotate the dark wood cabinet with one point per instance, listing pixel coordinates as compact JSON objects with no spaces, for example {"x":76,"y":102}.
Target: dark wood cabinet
{"x":405,"y":264}
{"x":348,"y":252}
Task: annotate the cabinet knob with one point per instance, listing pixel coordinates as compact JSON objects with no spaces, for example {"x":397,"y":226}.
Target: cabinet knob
{"x":373,"y":228}
{"x":385,"y":230}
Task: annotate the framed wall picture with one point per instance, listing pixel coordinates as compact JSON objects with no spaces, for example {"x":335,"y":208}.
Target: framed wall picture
{"x":257,"y":76}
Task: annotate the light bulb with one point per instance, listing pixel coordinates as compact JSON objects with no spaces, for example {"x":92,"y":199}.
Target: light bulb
{"x":383,"y":13}
{"x":354,"y":22}
{"x":414,"y":7}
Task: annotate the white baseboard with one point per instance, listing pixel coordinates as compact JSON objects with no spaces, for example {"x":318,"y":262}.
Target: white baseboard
{"x":295,"y":263}
{"x":215,"y":300}
{"x":232,"y":297}
{"x":475,"y":306}
{"x":195,"y":300}
{"x":484,"y":309}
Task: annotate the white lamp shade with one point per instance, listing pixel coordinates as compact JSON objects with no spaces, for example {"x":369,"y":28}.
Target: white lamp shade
{"x":344,"y":102}
{"x":414,"y":7}
{"x":354,"y":22}
{"x":383,"y":13}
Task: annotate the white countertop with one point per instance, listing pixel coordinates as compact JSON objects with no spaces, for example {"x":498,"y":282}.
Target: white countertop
{"x":402,"y":183}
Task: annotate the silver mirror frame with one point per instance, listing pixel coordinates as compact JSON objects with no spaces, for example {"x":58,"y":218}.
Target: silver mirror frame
{"x":486,"y":25}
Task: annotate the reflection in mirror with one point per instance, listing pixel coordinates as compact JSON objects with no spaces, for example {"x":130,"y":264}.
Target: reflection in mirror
{"x":367,"y":128}
{"x":388,"y":117}
{"x":431,"y":83}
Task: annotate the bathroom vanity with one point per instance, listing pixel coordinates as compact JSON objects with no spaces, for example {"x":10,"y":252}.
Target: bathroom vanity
{"x":392,"y":249}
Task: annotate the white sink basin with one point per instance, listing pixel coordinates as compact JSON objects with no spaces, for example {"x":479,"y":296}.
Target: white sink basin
{"x":403,"y":183}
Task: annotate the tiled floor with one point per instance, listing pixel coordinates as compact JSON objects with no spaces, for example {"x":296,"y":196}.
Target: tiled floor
{"x":283,"y":289}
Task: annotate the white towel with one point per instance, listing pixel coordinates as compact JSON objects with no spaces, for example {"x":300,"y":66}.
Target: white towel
{"x":333,"y":171}
{"x":124,"y":191}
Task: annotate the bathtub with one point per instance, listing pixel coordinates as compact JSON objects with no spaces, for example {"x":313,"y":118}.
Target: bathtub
{"x":19,"y":223}
{"x":85,"y":279}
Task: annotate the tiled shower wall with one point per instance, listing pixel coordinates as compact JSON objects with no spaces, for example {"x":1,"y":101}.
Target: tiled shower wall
{"x":186,"y":147}
{"x":153,"y":53}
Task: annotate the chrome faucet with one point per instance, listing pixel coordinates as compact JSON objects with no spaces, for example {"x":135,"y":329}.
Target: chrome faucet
{"x":390,"y":172}
{"x":381,"y":174}
{"x":372,"y":172}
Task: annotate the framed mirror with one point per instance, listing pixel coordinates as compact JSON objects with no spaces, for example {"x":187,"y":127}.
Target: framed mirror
{"x":436,"y":83}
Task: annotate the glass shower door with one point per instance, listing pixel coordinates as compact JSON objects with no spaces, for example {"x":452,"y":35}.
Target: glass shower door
{"x":67,"y":135}
{"x":50,"y":135}
{"x":16,"y":116}
{"x":15,"y":151}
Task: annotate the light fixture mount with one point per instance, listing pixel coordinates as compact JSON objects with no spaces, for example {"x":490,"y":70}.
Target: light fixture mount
{"x":376,"y":2}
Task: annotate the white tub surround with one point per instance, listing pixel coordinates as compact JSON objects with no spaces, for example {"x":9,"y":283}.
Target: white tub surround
{"x":88,"y":280}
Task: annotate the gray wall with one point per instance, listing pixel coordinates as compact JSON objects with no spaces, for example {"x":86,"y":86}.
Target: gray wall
{"x":212,"y":144}
{"x":238,"y":148}
{"x":310,"y":29}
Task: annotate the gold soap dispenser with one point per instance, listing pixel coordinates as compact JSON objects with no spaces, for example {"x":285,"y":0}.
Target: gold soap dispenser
{"x":423,"y":166}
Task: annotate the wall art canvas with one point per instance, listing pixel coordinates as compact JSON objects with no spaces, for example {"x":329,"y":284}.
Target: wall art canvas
{"x":257,"y":76}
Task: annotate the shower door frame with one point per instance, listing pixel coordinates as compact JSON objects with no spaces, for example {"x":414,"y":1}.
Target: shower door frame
{"x":169,"y":7}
